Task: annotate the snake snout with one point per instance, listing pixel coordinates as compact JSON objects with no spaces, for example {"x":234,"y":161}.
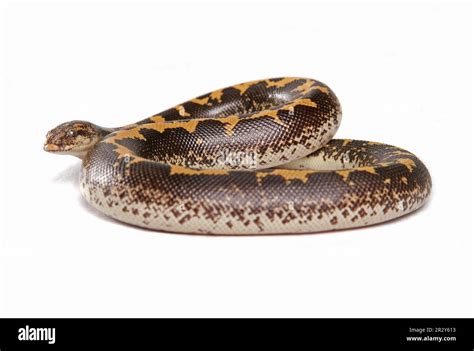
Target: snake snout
{"x":50,"y":147}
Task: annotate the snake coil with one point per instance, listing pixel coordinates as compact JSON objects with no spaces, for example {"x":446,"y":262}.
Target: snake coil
{"x":253,"y":158}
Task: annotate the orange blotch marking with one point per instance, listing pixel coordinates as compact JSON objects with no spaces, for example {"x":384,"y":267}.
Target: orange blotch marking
{"x":182,"y":112}
{"x":307,"y":86}
{"x":216,"y":95}
{"x":244,"y":86}
{"x":201,"y":102}
{"x":409,"y":163}
{"x":345,"y":173}
{"x":189,"y":125}
{"x":158,"y":118}
{"x":280,"y":83}
{"x":288,"y":174}
{"x":367,"y":169}
{"x":133,"y":133}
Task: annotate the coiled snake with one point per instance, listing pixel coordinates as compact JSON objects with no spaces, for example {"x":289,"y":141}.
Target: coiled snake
{"x":253,"y":158}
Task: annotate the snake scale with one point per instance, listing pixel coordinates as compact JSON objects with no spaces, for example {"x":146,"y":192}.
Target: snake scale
{"x":253,"y":158}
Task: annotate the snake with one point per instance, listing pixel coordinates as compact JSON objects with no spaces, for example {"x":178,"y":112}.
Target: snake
{"x":253,"y":158}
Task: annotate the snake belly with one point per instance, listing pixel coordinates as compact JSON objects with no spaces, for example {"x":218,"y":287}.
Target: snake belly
{"x":253,"y":158}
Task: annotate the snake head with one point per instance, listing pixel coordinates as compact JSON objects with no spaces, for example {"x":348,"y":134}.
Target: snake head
{"x":74,"y":138}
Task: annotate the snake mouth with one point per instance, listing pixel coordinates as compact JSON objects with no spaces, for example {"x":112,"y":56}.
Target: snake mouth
{"x":61,"y":150}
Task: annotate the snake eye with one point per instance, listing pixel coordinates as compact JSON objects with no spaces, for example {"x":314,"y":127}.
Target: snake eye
{"x":71,"y":133}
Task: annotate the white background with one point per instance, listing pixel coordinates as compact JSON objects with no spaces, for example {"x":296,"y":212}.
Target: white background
{"x":403,"y":74}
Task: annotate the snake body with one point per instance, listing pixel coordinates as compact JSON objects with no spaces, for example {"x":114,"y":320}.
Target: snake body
{"x":253,"y":158}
